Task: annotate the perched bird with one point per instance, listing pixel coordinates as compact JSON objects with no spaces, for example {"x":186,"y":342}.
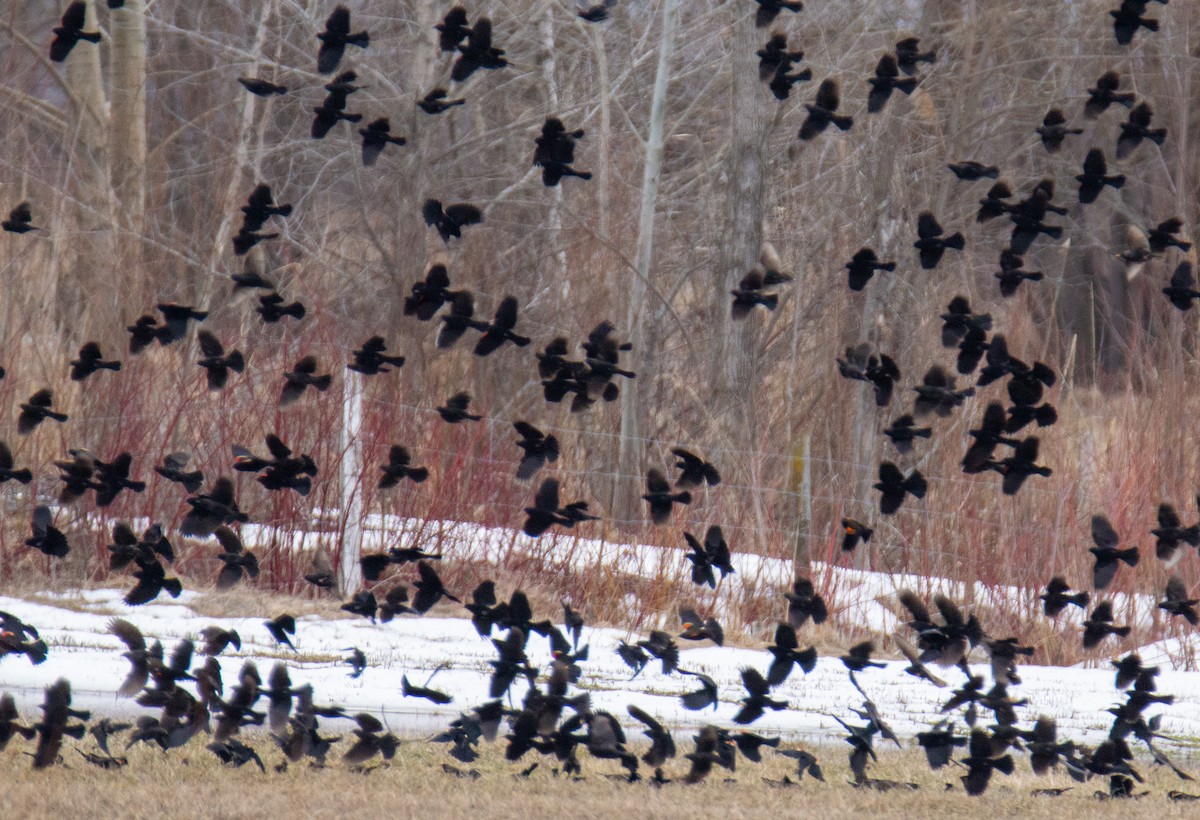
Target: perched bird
{"x":1056,"y":598}
{"x":261,"y":88}
{"x":660,"y":498}
{"x":893,"y":486}
{"x":370,"y":359}
{"x":853,"y":532}
{"x":435,"y":102}
{"x":398,"y":468}
{"x":477,"y":52}
{"x":299,"y":378}
{"x":768,"y":10}
{"x":539,"y":449}
{"x":930,"y":242}
{"x":1136,"y":129}
{"x":216,"y":362}
{"x":455,"y":409}
{"x":1099,"y":625}
{"x":69,"y":32}
{"x":862,"y":267}
{"x":36,"y":410}
{"x":451,"y":220}
{"x":822,"y":112}
{"x":20,"y":218}
{"x":1095,"y":176}
{"x":1105,"y":94}
{"x":375,"y":137}
{"x":1054,"y":130}
{"x":500,"y":329}
{"x":908,"y":54}
{"x":1176,"y":602}
{"x":335,"y":38}
{"x":1108,"y":557}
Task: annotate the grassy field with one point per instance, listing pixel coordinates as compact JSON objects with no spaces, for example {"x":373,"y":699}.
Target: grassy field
{"x":190,"y":783}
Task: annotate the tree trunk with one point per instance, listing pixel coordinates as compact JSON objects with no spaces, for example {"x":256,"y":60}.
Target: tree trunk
{"x":128,"y":127}
{"x":627,"y":483}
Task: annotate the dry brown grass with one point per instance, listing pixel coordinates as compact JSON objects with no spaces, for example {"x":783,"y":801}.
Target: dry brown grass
{"x":191,"y":784}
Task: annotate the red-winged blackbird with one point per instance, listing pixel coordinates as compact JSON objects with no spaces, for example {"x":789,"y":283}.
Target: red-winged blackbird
{"x":758,"y":698}
{"x":216,"y":362}
{"x":271,"y":308}
{"x":696,"y":628}
{"x":1099,"y":625}
{"x":261,"y":88}
{"x":428,"y":295}
{"x":300,"y":377}
{"x":786,"y":653}
{"x":750,"y":292}
{"x":410,"y":690}
{"x":662,"y":742}
{"x":435,"y":102}
{"x":1095,"y":176}
{"x":282,"y":627}
{"x":57,"y":711}
{"x":212,"y":509}
{"x":244,"y":240}
{"x":398,"y":468}
{"x":1053,"y":130}
{"x":1176,"y":601}
{"x":545,"y":510}
{"x":128,"y":548}
{"x":596,"y":12}
{"x":429,"y":589}
{"x":555,"y":152}
{"x":453,"y":29}
{"x":452,"y":219}
{"x":217,"y":640}
{"x":175,"y":319}
{"x":862,"y":267}
{"x":455,"y":409}
{"x":238,"y":561}
{"x":908,"y":54}
{"x":879,"y":370}
{"x":981,"y":761}
{"x":478,"y":52}
{"x":375,"y":137}
{"x":822,"y":112}
{"x":37,"y":410}
{"x":173,"y":468}
{"x":1108,"y":557}
{"x":768,"y":10}
{"x":458,"y":320}
{"x":326,"y":118}
{"x":886,"y":80}
{"x":500,"y":329}
{"x":855,"y":531}
{"x":8,"y":472}
{"x":144,"y":331}
{"x":1105,"y":94}
{"x":969,"y":170}
{"x":705,"y":754}
{"x":939,"y":744}
{"x":938,"y":394}
{"x":930,"y":242}
{"x":1011,"y":274}
{"x":151,"y":581}
{"x":362,"y":603}
{"x":693,"y":470}
{"x":1019,"y":466}
{"x":662,"y":646}
{"x":958,"y":319}
{"x":804,"y":603}
{"x":1162,"y":236}
{"x":370,"y":359}
{"x":70,"y":32}
{"x":775,"y":59}
{"x":18,"y":638}
{"x":335,"y":38}
{"x":1127,"y":19}
{"x":112,"y":477}
{"x":539,"y":448}
{"x":858,"y":657}
{"x":20,"y":219}
{"x":987,"y":436}
{"x":993,"y":205}
{"x":1170,"y":533}
{"x":46,"y":538}
{"x":660,"y":498}
{"x":916,"y":667}
{"x":707,"y":556}
{"x":894,"y":486}
{"x":1136,"y":129}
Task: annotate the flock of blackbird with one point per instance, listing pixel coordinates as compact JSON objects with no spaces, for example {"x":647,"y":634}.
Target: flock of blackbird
{"x":554,"y":718}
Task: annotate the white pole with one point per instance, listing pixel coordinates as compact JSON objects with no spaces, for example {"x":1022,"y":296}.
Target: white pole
{"x":350,"y":575}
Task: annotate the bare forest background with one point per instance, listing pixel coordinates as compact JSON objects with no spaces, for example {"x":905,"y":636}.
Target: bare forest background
{"x":137,"y":154}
